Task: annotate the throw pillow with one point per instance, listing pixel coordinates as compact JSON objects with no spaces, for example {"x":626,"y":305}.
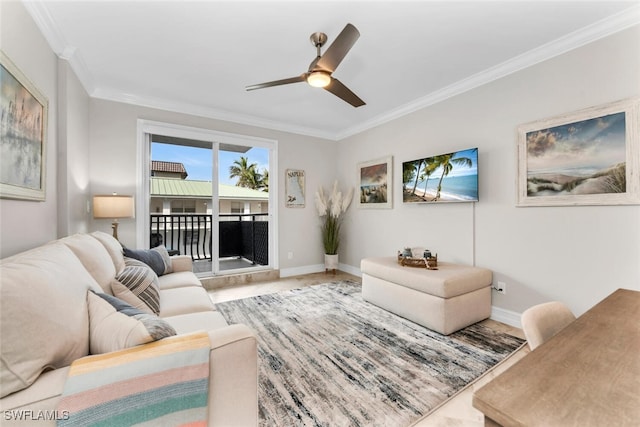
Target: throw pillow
{"x":43,"y":315}
{"x":115,"y":325}
{"x":157,"y":258}
{"x":157,"y":327}
{"x":138,"y":285}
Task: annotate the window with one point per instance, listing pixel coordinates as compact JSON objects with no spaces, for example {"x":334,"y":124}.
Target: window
{"x":183,"y":206}
{"x":237,"y":207}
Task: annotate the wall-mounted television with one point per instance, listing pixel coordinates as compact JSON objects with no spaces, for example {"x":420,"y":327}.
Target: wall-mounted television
{"x":451,"y":177}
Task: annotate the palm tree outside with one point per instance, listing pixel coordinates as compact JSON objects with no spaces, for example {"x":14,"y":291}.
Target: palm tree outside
{"x":264,"y":182}
{"x":248,"y":175}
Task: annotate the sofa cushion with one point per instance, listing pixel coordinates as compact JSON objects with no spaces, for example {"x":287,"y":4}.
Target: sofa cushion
{"x":112,"y":246}
{"x":94,"y":256}
{"x":157,"y":258}
{"x":115,"y":325}
{"x":181,"y":263}
{"x":190,"y":299}
{"x":178,"y":279}
{"x":44,"y":321}
{"x":192,"y":322}
{"x":42,"y":395}
{"x":137,"y":284}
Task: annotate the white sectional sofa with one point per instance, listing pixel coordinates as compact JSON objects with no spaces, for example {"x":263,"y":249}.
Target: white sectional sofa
{"x":45,"y":326}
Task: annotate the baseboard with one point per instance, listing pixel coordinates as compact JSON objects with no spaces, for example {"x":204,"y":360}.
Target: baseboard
{"x":506,"y":316}
{"x":350,"y":269}
{"x":317,"y":268}
{"x":237,"y":279}
{"x":305,"y":269}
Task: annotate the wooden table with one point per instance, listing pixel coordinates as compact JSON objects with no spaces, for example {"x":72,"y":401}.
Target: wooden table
{"x":586,"y":375}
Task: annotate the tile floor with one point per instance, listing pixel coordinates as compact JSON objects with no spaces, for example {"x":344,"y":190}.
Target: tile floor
{"x":455,"y":412}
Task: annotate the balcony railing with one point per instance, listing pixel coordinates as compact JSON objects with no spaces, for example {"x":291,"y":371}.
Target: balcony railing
{"x":239,"y":235}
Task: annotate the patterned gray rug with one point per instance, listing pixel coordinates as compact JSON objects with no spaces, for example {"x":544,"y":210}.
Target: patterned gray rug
{"x":328,"y":358}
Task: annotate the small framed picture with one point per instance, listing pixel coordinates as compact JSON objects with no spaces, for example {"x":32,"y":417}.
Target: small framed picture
{"x":374,"y":183}
{"x":294,"y":188}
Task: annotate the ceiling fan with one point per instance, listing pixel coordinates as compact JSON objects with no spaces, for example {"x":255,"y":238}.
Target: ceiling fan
{"x":321,"y":68}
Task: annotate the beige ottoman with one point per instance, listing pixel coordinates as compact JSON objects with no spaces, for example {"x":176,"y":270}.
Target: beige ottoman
{"x":444,"y":300}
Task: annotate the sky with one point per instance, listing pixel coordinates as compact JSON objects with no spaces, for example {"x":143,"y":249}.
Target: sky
{"x":198,"y":161}
{"x":587,"y":145}
{"x":459,"y":170}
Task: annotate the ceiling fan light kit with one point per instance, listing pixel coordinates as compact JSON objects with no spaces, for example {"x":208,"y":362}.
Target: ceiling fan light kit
{"x":319,"y":79}
{"x":322,"y":67}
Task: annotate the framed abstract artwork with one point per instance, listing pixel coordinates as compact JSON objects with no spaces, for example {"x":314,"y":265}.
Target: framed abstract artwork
{"x":23,"y":135}
{"x":374,"y":184}
{"x":589,"y":157}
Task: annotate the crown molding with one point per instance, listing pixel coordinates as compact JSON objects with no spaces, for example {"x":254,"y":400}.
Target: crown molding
{"x":45,"y":23}
{"x":58,"y":43}
{"x":598,"y":30}
{"x":207,"y":112}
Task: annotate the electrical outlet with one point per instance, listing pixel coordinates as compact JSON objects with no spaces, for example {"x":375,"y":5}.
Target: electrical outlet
{"x":502,"y":287}
{"x":290,"y":255}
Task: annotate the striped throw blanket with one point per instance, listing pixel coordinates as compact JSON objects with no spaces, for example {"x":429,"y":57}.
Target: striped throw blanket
{"x":163,"y":383}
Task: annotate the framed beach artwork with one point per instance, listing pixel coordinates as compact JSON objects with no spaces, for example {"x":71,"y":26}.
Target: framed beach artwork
{"x":374,"y":183}
{"x":589,"y":157}
{"x":23,"y":135}
{"x":294,"y":188}
{"x":444,"y":178}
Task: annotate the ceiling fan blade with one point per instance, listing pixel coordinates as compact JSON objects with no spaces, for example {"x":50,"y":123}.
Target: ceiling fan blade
{"x":339,"y":48}
{"x":344,"y":93}
{"x":298,"y":79}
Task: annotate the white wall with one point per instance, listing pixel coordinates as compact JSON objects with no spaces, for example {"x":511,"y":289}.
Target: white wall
{"x":574,"y":254}
{"x":24,"y":225}
{"x":113,"y":133}
{"x":73,"y":153}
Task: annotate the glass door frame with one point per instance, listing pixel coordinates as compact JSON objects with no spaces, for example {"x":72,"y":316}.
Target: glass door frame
{"x":146,"y":128}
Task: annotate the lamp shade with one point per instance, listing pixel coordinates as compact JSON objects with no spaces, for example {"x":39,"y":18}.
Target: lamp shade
{"x":113,"y":206}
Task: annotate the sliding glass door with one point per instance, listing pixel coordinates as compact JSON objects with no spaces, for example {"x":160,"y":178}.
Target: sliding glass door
{"x":209,"y":197}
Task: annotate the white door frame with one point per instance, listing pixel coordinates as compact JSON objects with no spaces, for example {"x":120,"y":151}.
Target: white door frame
{"x":148,"y":127}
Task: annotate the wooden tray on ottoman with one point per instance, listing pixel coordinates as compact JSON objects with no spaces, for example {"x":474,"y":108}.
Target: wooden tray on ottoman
{"x":430,"y":263}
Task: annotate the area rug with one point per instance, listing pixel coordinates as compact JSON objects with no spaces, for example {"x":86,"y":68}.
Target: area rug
{"x":328,"y":358}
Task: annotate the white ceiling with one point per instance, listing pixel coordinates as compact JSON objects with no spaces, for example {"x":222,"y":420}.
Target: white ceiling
{"x":197,"y":57}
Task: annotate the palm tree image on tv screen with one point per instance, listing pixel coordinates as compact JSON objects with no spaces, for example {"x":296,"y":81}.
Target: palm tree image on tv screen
{"x":451,"y":177}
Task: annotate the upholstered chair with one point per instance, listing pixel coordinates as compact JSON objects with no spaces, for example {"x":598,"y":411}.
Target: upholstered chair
{"x":543,"y":321}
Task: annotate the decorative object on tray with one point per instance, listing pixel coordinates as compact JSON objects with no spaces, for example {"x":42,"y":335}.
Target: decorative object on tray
{"x":430,"y":263}
{"x":330,"y":209}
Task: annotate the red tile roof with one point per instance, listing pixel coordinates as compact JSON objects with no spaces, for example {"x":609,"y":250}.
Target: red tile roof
{"x":173,"y":167}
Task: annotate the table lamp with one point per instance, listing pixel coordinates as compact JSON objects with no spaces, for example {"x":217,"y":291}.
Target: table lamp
{"x":113,"y":206}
